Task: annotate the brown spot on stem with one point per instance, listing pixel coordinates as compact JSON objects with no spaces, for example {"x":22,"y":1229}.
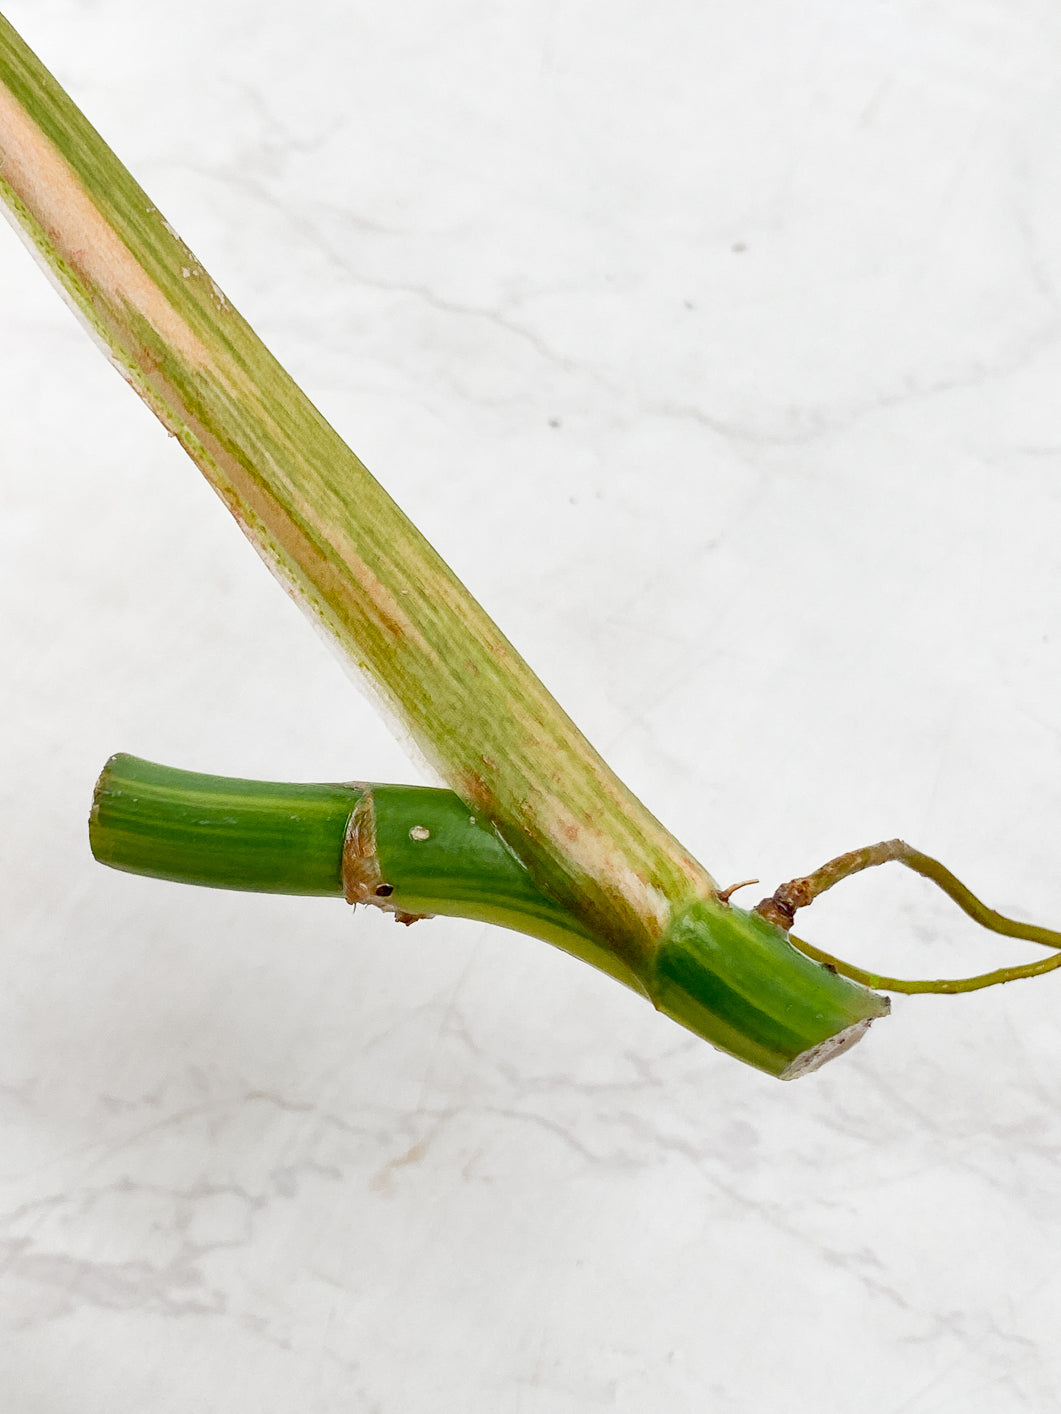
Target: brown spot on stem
{"x":474,"y":791}
{"x":776,"y":912}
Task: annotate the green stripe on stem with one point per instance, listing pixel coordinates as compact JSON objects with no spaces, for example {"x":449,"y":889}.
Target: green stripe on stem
{"x":260,"y":836}
{"x":416,"y":851}
{"x":430,"y":855}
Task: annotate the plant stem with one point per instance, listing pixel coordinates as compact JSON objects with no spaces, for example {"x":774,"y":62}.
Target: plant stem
{"x":261,"y":836}
{"x":345,"y":550}
{"x":328,"y":529}
{"x":417,"y":851}
{"x":419,"y":845}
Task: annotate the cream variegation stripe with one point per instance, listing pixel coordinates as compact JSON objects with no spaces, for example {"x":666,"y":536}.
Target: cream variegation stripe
{"x":52,"y":194}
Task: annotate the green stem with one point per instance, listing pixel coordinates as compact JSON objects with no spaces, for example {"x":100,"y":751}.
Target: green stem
{"x":261,"y":836}
{"x":418,"y":851}
{"x":422,"y":853}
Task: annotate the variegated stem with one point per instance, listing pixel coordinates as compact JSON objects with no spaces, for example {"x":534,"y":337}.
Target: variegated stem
{"x":328,"y":529}
{"x":345,"y":550}
{"x":411,"y":850}
{"x":417,"y":851}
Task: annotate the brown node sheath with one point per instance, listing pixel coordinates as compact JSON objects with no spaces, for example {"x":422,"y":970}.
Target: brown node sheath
{"x":362,"y":877}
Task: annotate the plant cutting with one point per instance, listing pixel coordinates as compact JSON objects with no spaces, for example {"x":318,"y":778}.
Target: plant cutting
{"x":536,"y":831}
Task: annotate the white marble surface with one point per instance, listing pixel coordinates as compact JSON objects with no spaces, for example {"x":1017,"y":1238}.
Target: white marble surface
{"x":718,"y":348}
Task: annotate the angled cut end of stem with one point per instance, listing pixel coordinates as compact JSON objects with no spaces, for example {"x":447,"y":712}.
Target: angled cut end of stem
{"x":733,"y":977}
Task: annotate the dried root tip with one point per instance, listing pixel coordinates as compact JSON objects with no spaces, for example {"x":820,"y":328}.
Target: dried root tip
{"x":408,"y":918}
{"x":724,"y":895}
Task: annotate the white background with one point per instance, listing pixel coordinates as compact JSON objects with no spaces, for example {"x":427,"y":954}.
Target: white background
{"x":718,"y":348}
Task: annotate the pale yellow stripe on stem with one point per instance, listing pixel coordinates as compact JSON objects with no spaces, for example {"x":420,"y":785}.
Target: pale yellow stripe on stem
{"x":49,"y":188}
